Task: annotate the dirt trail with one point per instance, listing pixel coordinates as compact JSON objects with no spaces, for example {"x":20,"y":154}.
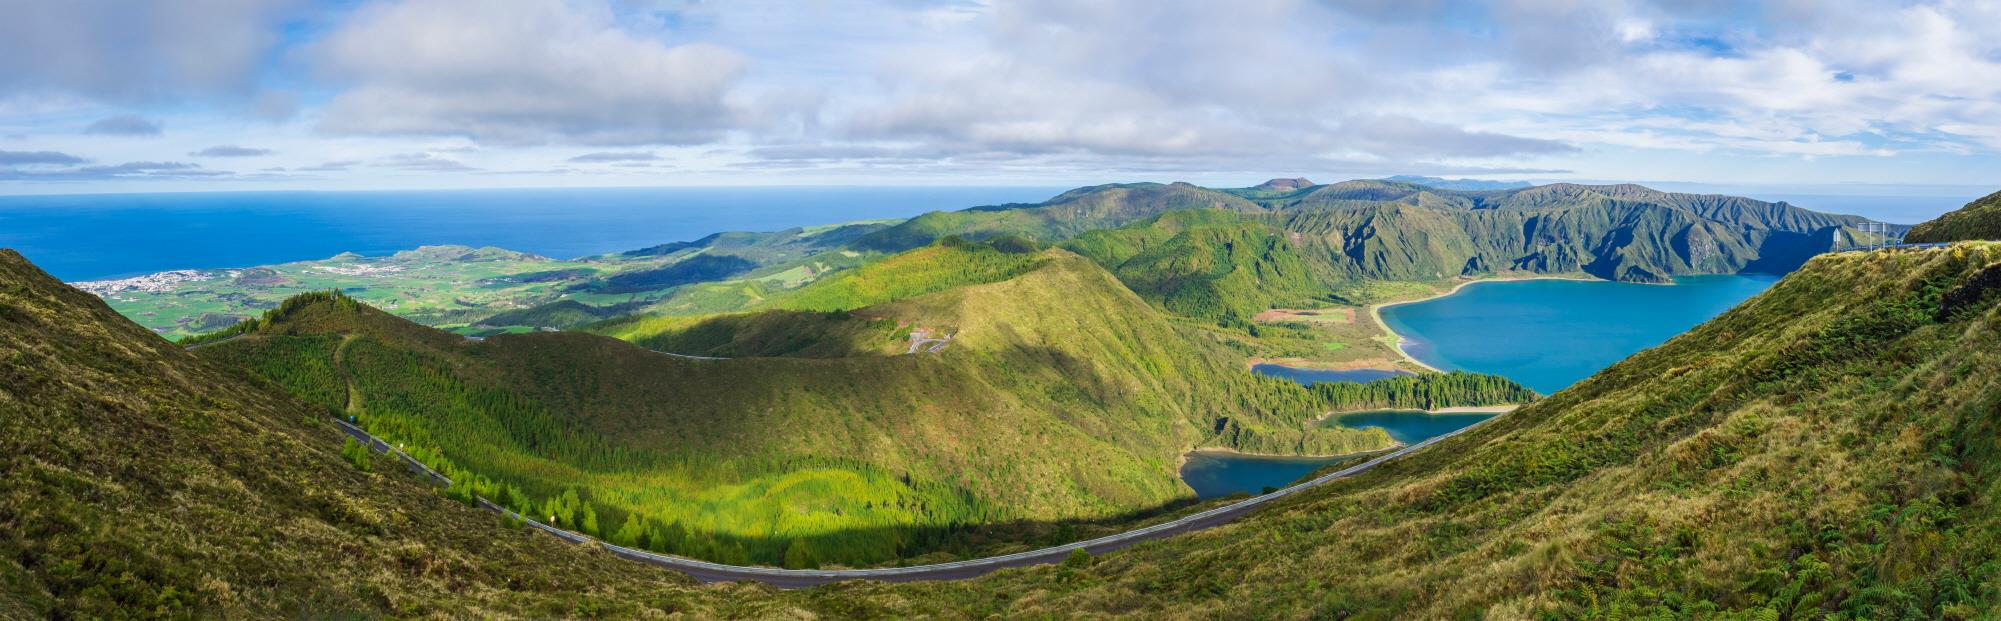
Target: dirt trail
{"x":340,"y":366}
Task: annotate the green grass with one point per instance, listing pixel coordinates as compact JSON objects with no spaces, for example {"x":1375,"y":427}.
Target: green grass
{"x":1828,"y":449}
{"x":1209,"y":264}
{"x":1980,"y":219}
{"x":1061,"y":397}
{"x":1825,"y":450}
{"x":137,"y":481}
{"x":950,"y":263}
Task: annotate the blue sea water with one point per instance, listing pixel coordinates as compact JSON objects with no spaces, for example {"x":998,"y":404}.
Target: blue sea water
{"x":97,"y":236}
{"x":1548,"y":334}
{"x":1314,"y":376}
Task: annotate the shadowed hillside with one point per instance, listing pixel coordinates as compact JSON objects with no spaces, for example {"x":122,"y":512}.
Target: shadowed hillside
{"x":141,"y":482}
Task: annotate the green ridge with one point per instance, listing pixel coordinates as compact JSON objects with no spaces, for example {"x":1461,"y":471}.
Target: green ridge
{"x":1828,"y":449}
{"x":1061,"y":395}
{"x":137,"y":481}
{"x":1980,"y":219}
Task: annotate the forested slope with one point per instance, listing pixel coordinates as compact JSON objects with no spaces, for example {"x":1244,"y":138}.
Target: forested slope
{"x":1062,"y":395}
{"x":1210,"y":264}
{"x":1828,"y":449}
{"x":141,"y":482}
{"x":1069,"y":213}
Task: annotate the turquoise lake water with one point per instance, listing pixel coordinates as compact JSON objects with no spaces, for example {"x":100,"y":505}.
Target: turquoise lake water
{"x":1408,"y":426}
{"x":1222,"y":474}
{"x":1314,"y":376}
{"x":1548,"y":334}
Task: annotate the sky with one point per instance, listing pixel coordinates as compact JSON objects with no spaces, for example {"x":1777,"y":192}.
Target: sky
{"x":1817,"y":97}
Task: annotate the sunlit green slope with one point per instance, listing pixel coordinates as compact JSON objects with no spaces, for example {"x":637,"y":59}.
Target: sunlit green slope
{"x":1829,"y":449}
{"x":1980,"y":219}
{"x":1054,"y":393}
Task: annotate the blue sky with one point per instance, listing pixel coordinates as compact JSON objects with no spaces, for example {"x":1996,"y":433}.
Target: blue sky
{"x":1831,"y":97}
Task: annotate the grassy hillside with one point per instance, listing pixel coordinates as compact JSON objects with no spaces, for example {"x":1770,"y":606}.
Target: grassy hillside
{"x":141,"y":482}
{"x":1980,"y":219}
{"x":1209,"y":264}
{"x":557,"y":314}
{"x":951,"y":262}
{"x":1825,"y":450}
{"x":1829,"y":449}
{"x":1061,"y":395}
{"x":1069,"y":213}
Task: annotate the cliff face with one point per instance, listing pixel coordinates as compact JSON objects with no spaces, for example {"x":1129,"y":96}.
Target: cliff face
{"x":1406,"y":231}
{"x":1399,"y":231}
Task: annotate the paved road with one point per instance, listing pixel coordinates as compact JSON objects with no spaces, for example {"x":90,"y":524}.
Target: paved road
{"x":793,"y":578}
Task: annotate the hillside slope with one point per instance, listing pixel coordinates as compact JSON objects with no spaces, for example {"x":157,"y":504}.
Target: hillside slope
{"x":1398,"y":231}
{"x":142,"y":482}
{"x":1210,"y":264}
{"x":1069,"y":213}
{"x":1061,"y":395}
{"x":1829,"y":449}
{"x":1980,"y":219}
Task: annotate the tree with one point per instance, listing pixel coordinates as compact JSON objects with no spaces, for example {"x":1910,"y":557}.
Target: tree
{"x":590,"y":522}
{"x":800,"y":556}
{"x":633,"y":533}
{"x":356,"y":454}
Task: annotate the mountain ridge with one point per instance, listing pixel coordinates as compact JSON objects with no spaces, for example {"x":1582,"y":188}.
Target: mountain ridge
{"x":1977,"y":220}
{"x":1060,"y":395}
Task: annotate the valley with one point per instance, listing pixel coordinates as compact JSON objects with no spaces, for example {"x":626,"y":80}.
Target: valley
{"x":882,"y":310}
{"x":985,"y":393}
{"x":1733,"y":402}
{"x":870,"y":392}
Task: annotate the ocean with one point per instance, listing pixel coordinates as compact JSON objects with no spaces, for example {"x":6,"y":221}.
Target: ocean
{"x":100,"y":236}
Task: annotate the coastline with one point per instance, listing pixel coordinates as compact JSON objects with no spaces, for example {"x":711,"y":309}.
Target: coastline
{"x":1376,"y":310}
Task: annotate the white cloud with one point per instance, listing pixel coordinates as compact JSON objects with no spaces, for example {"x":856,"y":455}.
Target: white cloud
{"x":1020,"y":89}
{"x":230,"y":150}
{"x":123,"y":125}
{"x":37,"y":158}
{"x":523,"y":71}
{"x":122,"y":51}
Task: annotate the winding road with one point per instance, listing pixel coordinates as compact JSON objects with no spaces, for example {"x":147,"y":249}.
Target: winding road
{"x":795,"y":578}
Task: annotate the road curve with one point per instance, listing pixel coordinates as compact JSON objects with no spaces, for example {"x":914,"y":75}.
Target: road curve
{"x":795,"y":578}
